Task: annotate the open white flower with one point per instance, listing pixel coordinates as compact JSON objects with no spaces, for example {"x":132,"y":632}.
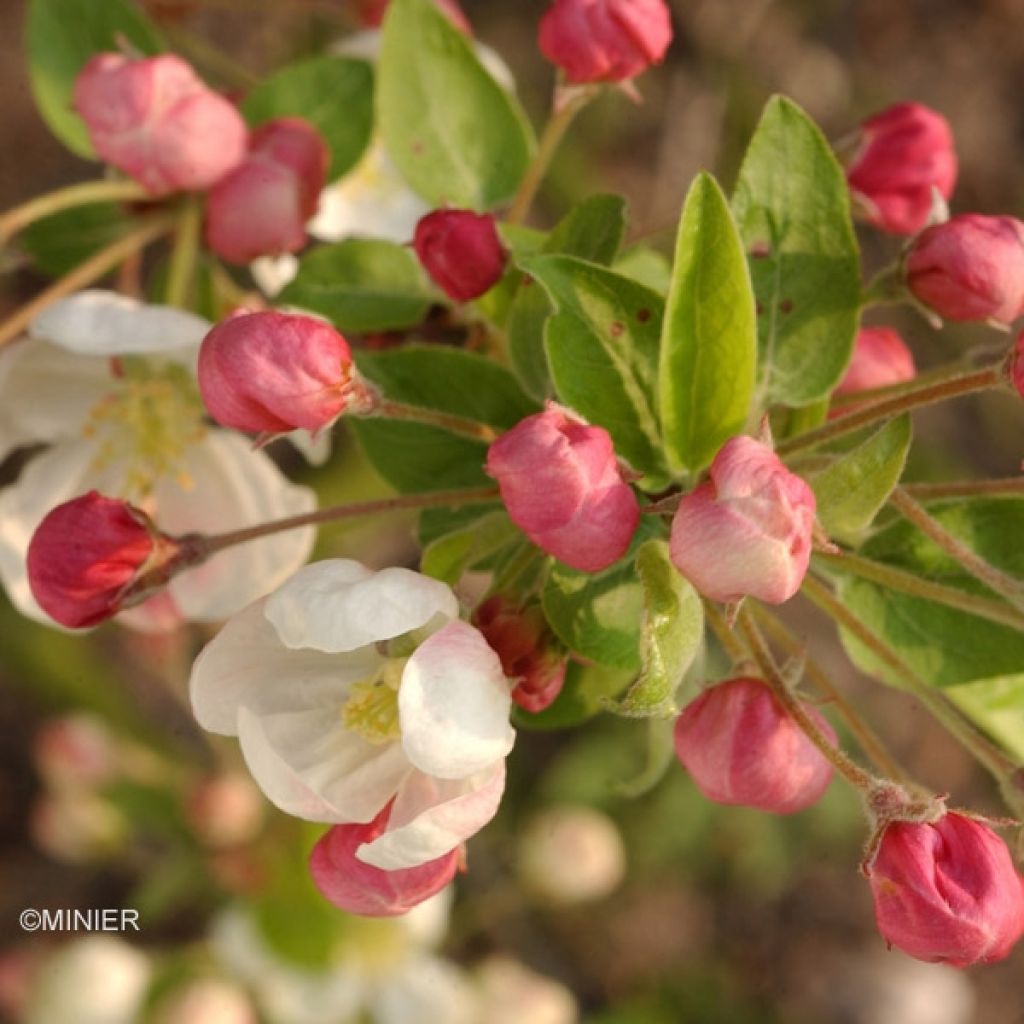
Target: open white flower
{"x":109,"y":384}
{"x":349,"y":689}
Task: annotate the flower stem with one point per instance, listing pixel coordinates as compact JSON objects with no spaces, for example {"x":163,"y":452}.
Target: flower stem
{"x":86,"y":273}
{"x":952,"y":386}
{"x":995,"y":579}
{"x":731,"y":644}
{"x":909,"y":583}
{"x":1001,"y":487}
{"x":81,"y":194}
{"x":388,"y":409}
{"x":576,"y":99}
{"x":182,"y":267}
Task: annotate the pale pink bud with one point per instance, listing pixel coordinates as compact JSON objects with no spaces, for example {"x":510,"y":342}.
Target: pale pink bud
{"x":363,"y":889}
{"x":880,"y":358}
{"x":970,"y":268}
{"x":605,"y":40}
{"x":75,"y":751}
{"x":262,"y":206}
{"x":742,"y":747}
{"x":154,"y":119}
{"x":371,"y":13}
{"x":225,"y":810}
{"x":270,"y":373}
{"x":1016,"y":365}
{"x":905,"y":152}
{"x":947,"y":891}
{"x":461,"y":251}
{"x":562,"y":486}
{"x":75,"y":826}
{"x":747,"y":531}
{"x":86,"y":554}
{"x":531,"y":656}
{"x":208,"y":1001}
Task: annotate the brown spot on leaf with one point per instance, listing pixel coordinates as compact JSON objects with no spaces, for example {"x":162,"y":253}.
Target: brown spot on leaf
{"x":760,"y":251}
{"x":786,"y":306}
{"x":617,"y":328}
{"x":643,"y":315}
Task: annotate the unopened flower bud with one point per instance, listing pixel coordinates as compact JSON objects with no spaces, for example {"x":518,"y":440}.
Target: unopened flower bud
{"x":947,"y":891}
{"x":86,"y":554}
{"x":905,"y":152}
{"x":461,"y":251}
{"x":605,"y":40}
{"x":154,"y":119}
{"x":880,"y":358}
{"x":530,"y":654}
{"x":262,"y":206}
{"x":225,"y":810}
{"x":208,"y":1001}
{"x":270,"y":373}
{"x":76,"y":826}
{"x":360,"y":888}
{"x":1016,"y":365}
{"x":571,"y":855}
{"x":562,"y":486}
{"x":970,"y":268}
{"x":746,"y":531}
{"x":742,"y":747}
{"x":75,"y":752}
{"x":371,"y":13}
{"x":512,"y":993}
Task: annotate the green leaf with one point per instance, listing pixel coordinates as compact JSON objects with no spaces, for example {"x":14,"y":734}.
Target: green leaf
{"x":944,"y":646}
{"x":602,"y":349}
{"x":61,"y":36}
{"x":454,"y":133}
{"x":852,"y":490}
{"x":58,"y":243}
{"x":413,"y":457}
{"x":671,"y":633}
{"x":592,"y":231}
{"x":793,"y":210}
{"x":997,"y":705}
{"x":362,"y":284}
{"x":647,"y":266}
{"x":448,"y":557}
{"x":586,"y":691}
{"x":709,"y":339}
{"x":334,"y":94}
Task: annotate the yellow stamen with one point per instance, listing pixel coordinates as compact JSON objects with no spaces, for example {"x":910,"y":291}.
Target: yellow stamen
{"x":372,"y":706}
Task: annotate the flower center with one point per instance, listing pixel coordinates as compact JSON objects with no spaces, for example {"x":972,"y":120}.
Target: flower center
{"x":372,"y":706}
{"x":147,"y":424}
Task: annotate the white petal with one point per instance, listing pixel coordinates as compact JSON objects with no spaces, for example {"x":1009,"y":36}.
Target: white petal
{"x":432,"y":816}
{"x":454,"y":704}
{"x":245,"y":665}
{"x":315,"y":450}
{"x":363,"y":45}
{"x":103,"y":323}
{"x":46,"y":393}
{"x":427,"y":923}
{"x":309,"y":765}
{"x":233,"y":486}
{"x":272,"y":273}
{"x":428,"y":990}
{"x":340,"y":605}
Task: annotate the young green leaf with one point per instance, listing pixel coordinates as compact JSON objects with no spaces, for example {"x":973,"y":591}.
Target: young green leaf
{"x":454,"y":133}
{"x":709,"y":338}
{"x":448,"y":557}
{"x":997,"y":705}
{"x":58,"y":243}
{"x":333,"y":93}
{"x":61,"y":36}
{"x":793,"y":210}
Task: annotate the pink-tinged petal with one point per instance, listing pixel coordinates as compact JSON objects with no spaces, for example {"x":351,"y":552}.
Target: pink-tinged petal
{"x":339,"y":605}
{"x":454,"y":704}
{"x":432,"y":816}
{"x":880,"y":357}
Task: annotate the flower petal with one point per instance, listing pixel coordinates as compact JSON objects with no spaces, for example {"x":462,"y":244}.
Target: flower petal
{"x":103,"y":323}
{"x":432,"y":816}
{"x":454,"y":703}
{"x":232,"y":486}
{"x":427,"y":990}
{"x":340,"y":605}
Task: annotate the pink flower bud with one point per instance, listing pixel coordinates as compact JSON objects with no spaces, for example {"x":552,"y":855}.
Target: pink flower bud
{"x":605,"y":40}
{"x":461,"y":251}
{"x":158,"y":122}
{"x":530,"y":655}
{"x":262,"y":206}
{"x":947,"y":891}
{"x":371,"y":13}
{"x":905,"y":152}
{"x":269,"y":373}
{"x":562,"y":486}
{"x":86,"y":554}
{"x":75,"y":752}
{"x":742,"y":747}
{"x":1016,"y":365}
{"x":363,"y":889}
{"x":880,"y":358}
{"x":748,"y":529}
{"x":970,"y":268}
{"x":225,"y":810}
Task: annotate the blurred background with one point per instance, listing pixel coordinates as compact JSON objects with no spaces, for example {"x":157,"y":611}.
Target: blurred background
{"x":723,"y":916}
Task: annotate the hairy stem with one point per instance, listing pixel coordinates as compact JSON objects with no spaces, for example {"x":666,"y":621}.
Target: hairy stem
{"x":388,"y":409}
{"x":181,"y":270}
{"x":731,"y":644}
{"x":1001,"y":487}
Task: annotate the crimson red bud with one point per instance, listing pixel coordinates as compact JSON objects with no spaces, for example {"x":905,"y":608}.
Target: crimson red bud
{"x":372,"y":892}
{"x":461,"y":251}
{"x":905,"y":152}
{"x":1016,"y":365}
{"x":970,"y":268}
{"x":270,"y":373}
{"x":155,"y":119}
{"x":86,"y":553}
{"x":562,"y":486}
{"x":262,"y":206}
{"x":742,"y":747}
{"x":605,"y":40}
{"x":947,"y":891}
{"x":880,"y":358}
